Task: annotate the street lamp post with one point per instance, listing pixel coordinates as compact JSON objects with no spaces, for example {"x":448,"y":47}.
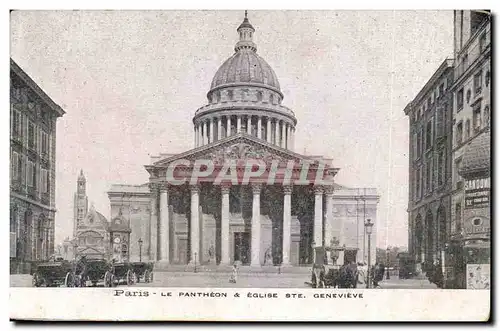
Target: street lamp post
{"x":387,"y":263}
{"x":140,"y":249}
{"x":368,"y":227}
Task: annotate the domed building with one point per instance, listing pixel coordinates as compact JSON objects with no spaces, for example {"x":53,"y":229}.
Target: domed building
{"x":253,"y":219}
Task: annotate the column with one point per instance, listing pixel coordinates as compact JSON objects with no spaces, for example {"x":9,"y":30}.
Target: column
{"x":238,"y":124}
{"x":255,"y":245}
{"x":318,"y":216}
{"x":276,"y":133}
{"x":225,"y":225}
{"x":287,"y":220}
{"x":200,"y":134}
{"x":329,"y":229}
{"x":204,"y":134}
{"x":282,"y":134}
{"x":153,"y":240}
{"x":195,"y":225}
{"x":268,"y":131}
{"x":259,"y":127}
{"x":219,"y":128}
{"x":164,"y":224}
{"x":228,"y":126}
{"x":292,"y":137}
{"x":212,"y":129}
{"x":287,"y":136}
{"x":249,"y":125}
{"x":195,"y":136}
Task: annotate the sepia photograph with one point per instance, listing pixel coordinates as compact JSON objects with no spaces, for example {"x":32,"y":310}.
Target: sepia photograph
{"x":301,"y":155}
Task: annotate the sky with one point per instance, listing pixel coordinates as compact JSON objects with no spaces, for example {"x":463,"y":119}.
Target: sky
{"x":130,"y":82}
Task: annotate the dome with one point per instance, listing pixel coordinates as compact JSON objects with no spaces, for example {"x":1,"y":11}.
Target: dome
{"x":245,"y":66}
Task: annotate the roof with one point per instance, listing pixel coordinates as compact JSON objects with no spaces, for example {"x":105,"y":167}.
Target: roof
{"x":34,"y":86}
{"x":446,"y":64}
{"x":477,"y":155}
{"x":245,"y":66}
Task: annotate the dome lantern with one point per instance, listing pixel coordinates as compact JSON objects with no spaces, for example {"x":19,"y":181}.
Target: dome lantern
{"x":246,"y":31}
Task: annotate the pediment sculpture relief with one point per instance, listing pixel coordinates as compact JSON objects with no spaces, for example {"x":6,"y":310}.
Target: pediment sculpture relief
{"x":242,"y":151}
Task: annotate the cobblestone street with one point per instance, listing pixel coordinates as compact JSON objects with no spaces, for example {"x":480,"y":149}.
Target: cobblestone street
{"x":221,"y":280}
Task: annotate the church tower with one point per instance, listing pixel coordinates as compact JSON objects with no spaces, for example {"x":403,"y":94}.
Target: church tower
{"x":80,"y":205}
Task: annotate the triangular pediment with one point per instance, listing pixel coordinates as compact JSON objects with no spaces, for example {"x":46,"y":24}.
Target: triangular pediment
{"x":238,"y":147}
{"x":90,"y":251}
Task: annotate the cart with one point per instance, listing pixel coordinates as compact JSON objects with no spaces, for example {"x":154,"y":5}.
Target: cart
{"x":143,"y":271}
{"x":97,"y":271}
{"x":55,"y":273}
{"x":123,"y":273}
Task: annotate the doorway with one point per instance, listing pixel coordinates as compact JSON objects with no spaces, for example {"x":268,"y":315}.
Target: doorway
{"x":242,"y":247}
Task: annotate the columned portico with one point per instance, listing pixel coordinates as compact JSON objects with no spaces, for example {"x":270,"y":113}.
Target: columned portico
{"x":255,"y":232}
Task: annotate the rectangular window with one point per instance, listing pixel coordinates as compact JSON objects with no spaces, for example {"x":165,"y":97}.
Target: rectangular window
{"x":429,"y":102}
{"x":415,"y":146}
{"x":14,"y":162}
{"x":458,"y":178}
{"x":428,"y":135}
{"x":417,"y":184}
{"x":482,"y":42}
{"x":458,"y":217}
{"x":459,"y":133}
{"x":29,"y":174}
{"x":419,"y":144}
{"x":35,"y":177}
{"x":428,"y":176}
{"x":440,"y":168}
{"x":44,"y":181}
{"x":16,"y":124}
{"x":478,"y":82}
{"x":441,"y":90}
{"x":31,"y":135}
{"x":476,"y":117}
{"x":460,"y":99}
{"x":45,"y":143}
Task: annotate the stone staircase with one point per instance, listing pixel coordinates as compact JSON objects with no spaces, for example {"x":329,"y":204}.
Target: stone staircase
{"x":243,"y":270}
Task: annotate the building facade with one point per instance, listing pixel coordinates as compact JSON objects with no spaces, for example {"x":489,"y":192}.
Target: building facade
{"x":471,"y":120}
{"x":430,"y":151}
{"x":33,"y":118}
{"x":258,"y":222}
{"x":449,"y":217}
{"x":90,"y":234}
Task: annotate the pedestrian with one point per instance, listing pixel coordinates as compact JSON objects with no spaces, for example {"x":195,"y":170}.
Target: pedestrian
{"x":234,"y":274}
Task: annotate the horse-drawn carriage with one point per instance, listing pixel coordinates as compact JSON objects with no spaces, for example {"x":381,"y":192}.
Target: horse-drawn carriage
{"x":98,"y":270}
{"x":57,"y":272}
{"x":123,"y":273}
{"x":332,"y":275}
{"x":54,"y":273}
{"x":143,"y":271}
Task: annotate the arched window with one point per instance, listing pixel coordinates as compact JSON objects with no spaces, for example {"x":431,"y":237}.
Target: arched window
{"x":259,"y":96}
{"x":467,"y":129}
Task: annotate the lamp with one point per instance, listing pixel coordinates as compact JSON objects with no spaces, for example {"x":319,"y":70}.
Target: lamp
{"x":140,"y":249}
{"x":368,"y":228}
{"x":387,"y":264}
